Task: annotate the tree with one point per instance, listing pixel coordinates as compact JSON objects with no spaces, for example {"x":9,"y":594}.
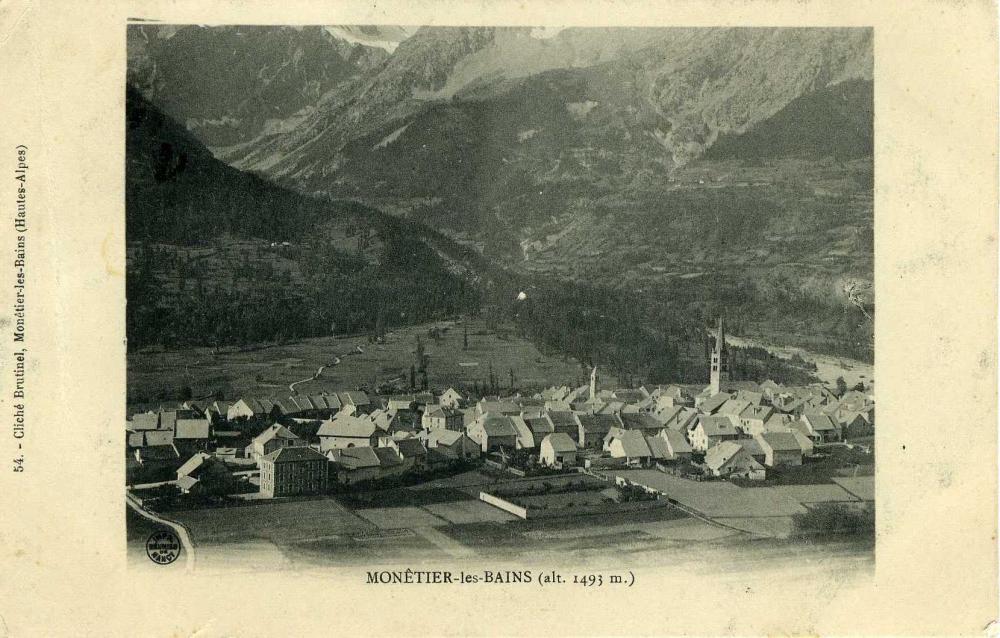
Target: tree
{"x":419,"y":355}
{"x":465,"y":337}
{"x":841,"y":386}
{"x":413,"y":377}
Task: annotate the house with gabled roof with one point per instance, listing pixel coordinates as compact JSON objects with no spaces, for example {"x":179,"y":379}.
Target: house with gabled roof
{"x":218,"y":410}
{"x":753,"y":420}
{"x":493,"y":432}
{"x":144,"y":421}
{"x":555,"y":393}
{"x":443,"y":417}
{"x":629,"y":445}
{"x":593,"y":428}
{"x":191,"y":428}
{"x":565,"y":422}
{"x":451,"y":398}
{"x":629,"y":395}
{"x":557,"y":450}
{"x":713,"y":403}
{"x":540,"y":426}
{"x":497,"y":407}
{"x":525,"y":438}
{"x":671,"y":396}
{"x":273,"y":438}
{"x":412,"y":450}
{"x":780,"y":448}
{"x":353,"y":465}
{"x":251,"y":408}
{"x":452,"y":444}
{"x":348,"y":431}
{"x":711,"y":430}
{"x":358,"y":399}
{"x":157,"y":455}
{"x":729,"y":458}
{"x":644,"y":422}
{"x":677,"y":446}
{"x":203,"y":466}
{"x":733,"y":407}
{"x":400,"y":402}
{"x":820,"y":427}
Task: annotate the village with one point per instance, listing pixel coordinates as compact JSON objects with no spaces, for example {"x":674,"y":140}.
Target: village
{"x":746,"y":456}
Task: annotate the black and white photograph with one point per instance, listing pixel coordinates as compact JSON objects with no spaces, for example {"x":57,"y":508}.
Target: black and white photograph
{"x":500,"y":297}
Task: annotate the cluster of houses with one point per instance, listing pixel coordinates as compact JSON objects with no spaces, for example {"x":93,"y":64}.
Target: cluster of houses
{"x":303,"y":444}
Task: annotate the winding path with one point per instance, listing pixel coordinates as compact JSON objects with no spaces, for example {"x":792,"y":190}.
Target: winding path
{"x":177,"y":528}
{"x":319,"y":373}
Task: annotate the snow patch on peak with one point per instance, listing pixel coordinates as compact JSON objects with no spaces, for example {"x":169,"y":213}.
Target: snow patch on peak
{"x":382,"y":37}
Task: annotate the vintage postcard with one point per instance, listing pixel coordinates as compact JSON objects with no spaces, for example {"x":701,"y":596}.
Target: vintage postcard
{"x":500,"y":319}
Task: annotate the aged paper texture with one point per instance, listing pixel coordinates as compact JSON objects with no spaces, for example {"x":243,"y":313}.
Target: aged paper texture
{"x":498,"y":318}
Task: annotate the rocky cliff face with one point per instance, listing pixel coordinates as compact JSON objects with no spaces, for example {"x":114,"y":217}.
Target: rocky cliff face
{"x":706,"y":164}
{"x":228,"y":85}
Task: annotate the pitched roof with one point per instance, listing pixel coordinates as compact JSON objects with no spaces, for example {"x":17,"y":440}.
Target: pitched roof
{"x":158,"y":453}
{"x":719,"y":455}
{"x":354,"y":458}
{"x":193,"y":463}
{"x":144,"y":421}
{"x":779,"y":441}
{"x":658,"y":448}
{"x":258,"y":405}
{"x":294,"y":454}
{"x":630,"y":395}
{"x":347,"y":425}
{"x":561,"y":419}
{"x":353,"y":397}
{"x":820,"y":422}
{"x":388,"y":457}
{"x":276,"y":431}
{"x":442,"y":412}
{"x":718,"y":425}
{"x":754,"y":398}
{"x":757,"y":412}
{"x":804,"y":442}
{"x":599,"y":423}
{"x":498,"y":407}
{"x":539,"y":425}
{"x":441,"y":436}
{"x":158,"y":437}
{"x":733,"y":406}
{"x":186,"y":482}
{"x":640,"y":422}
{"x":524,"y":434}
{"x":497,"y":425}
{"x":560,"y":442}
{"x":676,"y":441}
{"x":714,"y":402}
{"x":633,"y":444}
{"x":410,"y":447}
{"x":752,"y":446}
{"x":191,"y":428}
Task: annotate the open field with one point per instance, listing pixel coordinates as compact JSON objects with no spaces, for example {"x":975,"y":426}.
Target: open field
{"x":279,"y":521}
{"x":763,"y":511}
{"x":268,"y":370}
{"x":323,"y":532}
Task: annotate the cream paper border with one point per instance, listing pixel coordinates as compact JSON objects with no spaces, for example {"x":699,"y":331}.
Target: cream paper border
{"x":62,"y":564}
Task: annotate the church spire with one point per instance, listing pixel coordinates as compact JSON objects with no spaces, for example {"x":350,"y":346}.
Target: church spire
{"x":719,"y":371}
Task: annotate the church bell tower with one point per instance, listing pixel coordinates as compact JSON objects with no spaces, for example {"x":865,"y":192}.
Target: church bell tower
{"x":719,"y":372}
